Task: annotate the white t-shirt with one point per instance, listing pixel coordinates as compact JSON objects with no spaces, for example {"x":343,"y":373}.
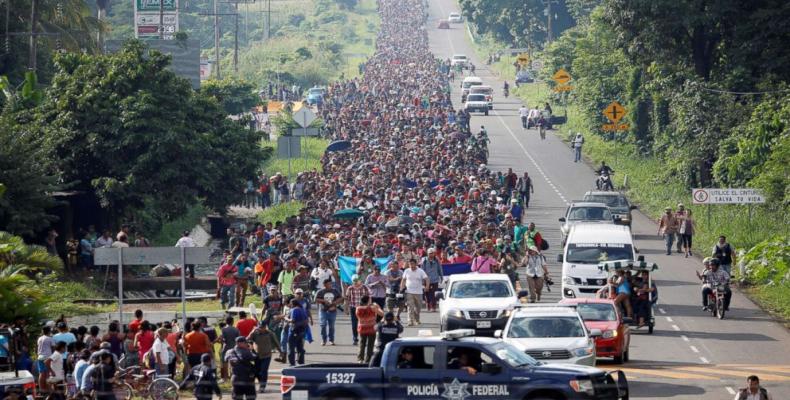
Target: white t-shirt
{"x":57,"y":366}
{"x":185,"y":241}
{"x":162,"y":347}
{"x":414,"y":280}
{"x":523,"y":112}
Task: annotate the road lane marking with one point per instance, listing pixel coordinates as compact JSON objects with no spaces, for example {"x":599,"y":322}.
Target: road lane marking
{"x":705,"y":360}
{"x":529,"y":156}
{"x":715,"y":370}
{"x":684,"y":337}
{"x":669,"y":319}
{"x":730,"y":390}
{"x":675,"y":327}
{"x":661,"y":310}
{"x":694,"y":349}
{"x":668,"y":374}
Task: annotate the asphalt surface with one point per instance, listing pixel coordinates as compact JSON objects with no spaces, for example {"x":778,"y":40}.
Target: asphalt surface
{"x":690,"y":355}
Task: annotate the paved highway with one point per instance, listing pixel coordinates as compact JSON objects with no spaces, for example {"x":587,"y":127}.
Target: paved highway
{"x":691,"y":355}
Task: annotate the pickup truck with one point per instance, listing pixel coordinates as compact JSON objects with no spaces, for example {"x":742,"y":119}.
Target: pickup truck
{"x":455,"y":366}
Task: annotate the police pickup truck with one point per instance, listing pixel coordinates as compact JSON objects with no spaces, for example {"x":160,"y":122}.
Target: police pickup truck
{"x":455,"y":366}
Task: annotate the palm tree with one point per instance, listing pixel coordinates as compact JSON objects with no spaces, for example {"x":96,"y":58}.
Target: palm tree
{"x":19,"y":294}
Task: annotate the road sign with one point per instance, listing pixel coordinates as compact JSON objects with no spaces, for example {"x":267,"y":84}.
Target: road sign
{"x":537,"y":64}
{"x":614,"y":112}
{"x":153,"y":5}
{"x":305,"y":132}
{"x":185,"y":54}
{"x":561,"y":76}
{"x":614,"y":127}
{"x":523,"y":59}
{"x":151,"y":255}
{"x":286,"y":143}
{"x":563,"y":88}
{"x":727,"y":196}
{"x":304,"y":117}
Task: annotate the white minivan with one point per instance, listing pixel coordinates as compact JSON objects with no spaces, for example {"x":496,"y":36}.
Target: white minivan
{"x":588,"y":245}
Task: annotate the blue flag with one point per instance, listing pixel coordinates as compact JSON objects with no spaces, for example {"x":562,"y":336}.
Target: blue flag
{"x":348,"y":266}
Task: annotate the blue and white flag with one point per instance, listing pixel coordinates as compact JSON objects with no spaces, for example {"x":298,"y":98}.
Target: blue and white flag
{"x":348,"y":266}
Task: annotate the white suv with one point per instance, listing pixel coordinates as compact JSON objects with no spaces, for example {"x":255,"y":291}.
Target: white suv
{"x":482,"y":302}
{"x":459,"y":59}
{"x":552,"y":334}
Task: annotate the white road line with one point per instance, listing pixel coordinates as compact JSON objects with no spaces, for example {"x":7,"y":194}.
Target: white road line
{"x":661,"y":310}
{"x":704,"y":360}
{"x":535,"y":163}
{"x":730,"y":390}
{"x":675,"y":327}
{"x":694,"y":349}
{"x":669,"y":319}
{"x":684,"y":337}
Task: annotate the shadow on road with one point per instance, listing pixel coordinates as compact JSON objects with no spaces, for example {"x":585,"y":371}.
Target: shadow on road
{"x":722,"y":336}
{"x":666,"y":283}
{"x":652,"y":390}
{"x":738,"y":314}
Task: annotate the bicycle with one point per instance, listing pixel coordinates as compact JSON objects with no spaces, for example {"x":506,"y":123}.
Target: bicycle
{"x":144,"y":384}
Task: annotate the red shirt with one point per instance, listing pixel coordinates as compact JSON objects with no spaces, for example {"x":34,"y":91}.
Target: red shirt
{"x":367,"y":320}
{"x":226,"y":275}
{"x":246,"y":326}
{"x":267,"y":268}
{"x":134,"y":326}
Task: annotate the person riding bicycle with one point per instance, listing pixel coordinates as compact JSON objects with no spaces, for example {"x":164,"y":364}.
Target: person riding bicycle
{"x":712,"y":278}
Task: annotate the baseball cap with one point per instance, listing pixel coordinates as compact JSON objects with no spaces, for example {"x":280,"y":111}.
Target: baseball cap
{"x":205,"y":357}
{"x":300,"y":290}
{"x":389,"y":316}
{"x":355,"y":277}
{"x":241,"y":339}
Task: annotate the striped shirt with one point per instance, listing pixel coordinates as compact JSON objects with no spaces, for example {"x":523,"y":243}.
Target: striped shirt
{"x":354,"y":294}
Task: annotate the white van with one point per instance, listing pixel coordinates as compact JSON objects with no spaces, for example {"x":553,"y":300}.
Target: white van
{"x":586,"y":246}
{"x":468,"y":82}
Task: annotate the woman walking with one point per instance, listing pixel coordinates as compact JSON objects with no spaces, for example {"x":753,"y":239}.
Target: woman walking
{"x":686,"y":232}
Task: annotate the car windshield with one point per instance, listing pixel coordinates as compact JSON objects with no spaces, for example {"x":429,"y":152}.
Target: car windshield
{"x":476,"y":97}
{"x":512,"y":355}
{"x":594,"y":253}
{"x":589,"y":214}
{"x":596,"y":311}
{"x":467,"y":85}
{"x":545,"y":327}
{"x":477,"y":289}
{"x":611,"y":201}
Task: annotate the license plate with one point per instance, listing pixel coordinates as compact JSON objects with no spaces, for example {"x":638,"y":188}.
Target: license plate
{"x":483,"y":324}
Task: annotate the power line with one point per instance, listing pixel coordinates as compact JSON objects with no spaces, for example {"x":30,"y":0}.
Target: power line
{"x":744,"y":93}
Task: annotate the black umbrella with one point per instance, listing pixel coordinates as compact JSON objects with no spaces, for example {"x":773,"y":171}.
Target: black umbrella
{"x":339,"y":145}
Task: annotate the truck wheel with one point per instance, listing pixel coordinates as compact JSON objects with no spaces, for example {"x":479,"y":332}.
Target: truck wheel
{"x":626,"y":356}
{"x":619,"y":359}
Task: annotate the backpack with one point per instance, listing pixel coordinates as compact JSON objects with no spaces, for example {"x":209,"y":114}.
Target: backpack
{"x":544,"y":244}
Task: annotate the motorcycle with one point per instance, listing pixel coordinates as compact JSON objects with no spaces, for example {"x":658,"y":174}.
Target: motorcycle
{"x":604,"y":182}
{"x":716,"y":300}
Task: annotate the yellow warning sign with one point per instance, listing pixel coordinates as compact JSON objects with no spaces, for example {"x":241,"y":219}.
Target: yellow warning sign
{"x":561,"y":76}
{"x":614,"y":127}
{"x":614,"y":112}
{"x":564,"y":88}
{"x":523,"y":59}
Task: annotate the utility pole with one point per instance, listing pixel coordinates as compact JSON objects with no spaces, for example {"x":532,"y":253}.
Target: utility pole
{"x":33,"y":41}
{"x":549,"y":17}
{"x":268,"y":19}
{"x":216,"y":39}
{"x":161,"y":19}
{"x":236,"y":44}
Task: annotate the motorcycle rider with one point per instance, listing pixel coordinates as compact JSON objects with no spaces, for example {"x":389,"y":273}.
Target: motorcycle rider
{"x":506,"y":89}
{"x":711,"y":278}
{"x":604,"y":173}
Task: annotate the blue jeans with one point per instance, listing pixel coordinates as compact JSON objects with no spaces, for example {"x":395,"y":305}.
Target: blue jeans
{"x":227,"y":295}
{"x":284,"y":341}
{"x":354,"y":324}
{"x":327,"y":321}
{"x":669,"y":238}
{"x":577,"y":154}
{"x":262,"y":370}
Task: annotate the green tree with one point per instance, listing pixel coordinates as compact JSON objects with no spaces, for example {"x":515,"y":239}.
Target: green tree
{"x":19,"y":295}
{"x":127,"y":129}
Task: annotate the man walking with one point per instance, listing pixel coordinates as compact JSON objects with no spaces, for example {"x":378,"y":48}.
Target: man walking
{"x":186,"y":241}
{"x":205,"y":378}
{"x":297,"y":325}
{"x":753,"y":390}
{"x":577,"y":143}
{"x":667,"y":226}
{"x":241,"y":361}
{"x":265,"y":342}
{"x":353,"y":296}
{"x":432,"y":268}
{"x":328,"y":299}
{"x":415,"y":283}
{"x":523,"y":112}
{"x":536,"y":272}
{"x":524,"y":188}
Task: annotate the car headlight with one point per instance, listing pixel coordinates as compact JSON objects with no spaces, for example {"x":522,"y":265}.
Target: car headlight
{"x":506,"y":313}
{"x":608,"y":334}
{"x":567,"y":280}
{"x":455,"y":313}
{"x":583,"y":351}
{"x":582,"y":386}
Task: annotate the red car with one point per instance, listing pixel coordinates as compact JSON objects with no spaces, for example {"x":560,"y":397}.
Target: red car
{"x":604,"y":315}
